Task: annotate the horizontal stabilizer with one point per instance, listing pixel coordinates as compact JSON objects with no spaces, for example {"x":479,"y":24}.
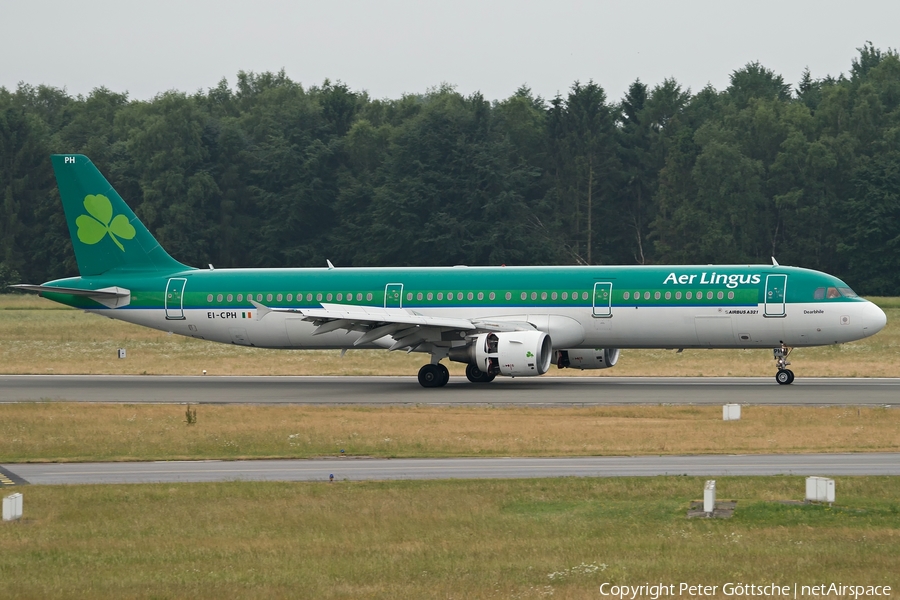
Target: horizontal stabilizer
{"x":111,"y":297}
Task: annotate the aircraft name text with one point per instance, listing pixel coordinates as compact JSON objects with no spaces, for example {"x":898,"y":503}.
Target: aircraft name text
{"x":730,"y":281}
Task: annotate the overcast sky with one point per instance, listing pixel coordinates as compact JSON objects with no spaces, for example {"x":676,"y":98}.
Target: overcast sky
{"x":394,"y":47}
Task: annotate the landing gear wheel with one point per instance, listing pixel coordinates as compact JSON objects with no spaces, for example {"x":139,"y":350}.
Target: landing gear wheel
{"x":476,"y":375}
{"x":784,"y":376}
{"x":433,"y":376}
{"x":445,"y":374}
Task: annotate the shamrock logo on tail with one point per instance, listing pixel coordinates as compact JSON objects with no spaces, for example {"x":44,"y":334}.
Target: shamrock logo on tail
{"x":93,"y":228}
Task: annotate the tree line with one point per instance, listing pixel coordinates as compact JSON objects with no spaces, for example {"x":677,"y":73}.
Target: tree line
{"x":269,"y":173}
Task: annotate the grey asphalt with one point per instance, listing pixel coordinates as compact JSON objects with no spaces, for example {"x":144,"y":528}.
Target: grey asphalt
{"x":406,"y":390}
{"x":355,"y":469}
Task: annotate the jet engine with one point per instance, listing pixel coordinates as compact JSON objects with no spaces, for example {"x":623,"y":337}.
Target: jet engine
{"x":598,"y":358}
{"x":512,"y":353}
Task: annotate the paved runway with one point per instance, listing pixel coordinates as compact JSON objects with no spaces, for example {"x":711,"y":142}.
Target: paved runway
{"x":354,"y":469}
{"x":406,"y":390}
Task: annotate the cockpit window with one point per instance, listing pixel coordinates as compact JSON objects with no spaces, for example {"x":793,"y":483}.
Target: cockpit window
{"x":819,"y":294}
{"x":833,"y":293}
{"x":847,"y":292}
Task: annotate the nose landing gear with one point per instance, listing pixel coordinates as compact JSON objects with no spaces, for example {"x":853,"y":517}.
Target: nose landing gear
{"x":784,"y":376}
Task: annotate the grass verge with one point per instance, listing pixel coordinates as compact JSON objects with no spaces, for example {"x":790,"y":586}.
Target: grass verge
{"x":121,"y":432}
{"x":558,"y":538}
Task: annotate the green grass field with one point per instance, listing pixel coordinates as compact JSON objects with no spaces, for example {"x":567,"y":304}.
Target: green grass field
{"x":447,"y":539}
{"x":120,"y":432}
{"x":41,"y":337}
{"x":543,"y":538}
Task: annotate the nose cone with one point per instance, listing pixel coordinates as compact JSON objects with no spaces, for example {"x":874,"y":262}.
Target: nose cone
{"x":874,"y":319}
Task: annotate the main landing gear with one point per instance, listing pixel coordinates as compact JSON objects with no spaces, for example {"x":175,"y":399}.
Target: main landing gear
{"x":784,"y":376}
{"x":476,"y":375}
{"x":434,"y":375}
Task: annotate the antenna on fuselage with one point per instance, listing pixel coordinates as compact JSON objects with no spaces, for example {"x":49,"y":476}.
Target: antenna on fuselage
{"x":775,"y":262}
{"x":330,"y":266}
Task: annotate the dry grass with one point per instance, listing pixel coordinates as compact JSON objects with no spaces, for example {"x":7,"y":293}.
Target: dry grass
{"x":445,"y":539}
{"x":41,"y":337}
{"x":78,"y":432}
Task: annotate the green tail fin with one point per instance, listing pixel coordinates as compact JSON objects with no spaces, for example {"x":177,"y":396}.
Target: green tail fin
{"x":105,"y":232}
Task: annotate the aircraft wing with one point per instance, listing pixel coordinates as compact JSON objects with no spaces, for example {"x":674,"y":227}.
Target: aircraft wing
{"x":408,"y":328}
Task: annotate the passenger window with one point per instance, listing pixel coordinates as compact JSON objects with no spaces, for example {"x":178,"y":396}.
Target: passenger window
{"x":440,"y":295}
{"x":626,"y":296}
{"x":309,"y":297}
{"x":240,"y":297}
{"x":209,"y":298}
{"x":430,"y":296}
{"x":709,"y":295}
{"x":565,"y":295}
{"x":678,"y":295}
{"x":688,"y":295}
{"x":553,"y":296}
{"x":646,"y":295}
{"x":509,"y":295}
{"x":481,"y":295}
{"x":279,"y":297}
{"x":329,"y":297}
{"x":268,"y":297}
{"x":409,"y":296}
{"x":833,"y":293}
{"x":524,"y":296}
{"x":720,"y":295}
{"x":731,"y":295}
{"x":469,"y":296}
{"x":668,"y":295}
{"x":219,"y":298}
{"x":584,"y":295}
{"x":369,"y":297}
{"x":656,"y":296}
{"x":419,"y":296}
{"x":543,"y":295}
{"x":493,"y":296}
{"x":459,"y":295}
{"x":318,"y":297}
{"x":290,"y":297}
{"x":229,"y":298}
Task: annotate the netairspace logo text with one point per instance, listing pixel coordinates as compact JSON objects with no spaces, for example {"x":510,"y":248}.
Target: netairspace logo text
{"x":655,"y":591}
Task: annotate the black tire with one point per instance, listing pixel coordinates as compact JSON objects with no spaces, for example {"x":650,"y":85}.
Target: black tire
{"x":791,"y":373}
{"x":430,"y":376}
{"x":476,"y":375}
{"x":445,"y":374}
{"x":783,"y":377}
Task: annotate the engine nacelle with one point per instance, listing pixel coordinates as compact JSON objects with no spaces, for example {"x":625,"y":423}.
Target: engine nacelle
{"x":512,"y":353}
{"x":598,"y":358}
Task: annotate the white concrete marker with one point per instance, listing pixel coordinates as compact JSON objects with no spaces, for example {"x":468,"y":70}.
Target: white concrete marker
{"x":731,"y":412}
{"x":12,"y":507}
{"x":709,"y":496}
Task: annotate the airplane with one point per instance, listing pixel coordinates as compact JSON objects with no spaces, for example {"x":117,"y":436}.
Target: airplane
{"x":509,"y":321}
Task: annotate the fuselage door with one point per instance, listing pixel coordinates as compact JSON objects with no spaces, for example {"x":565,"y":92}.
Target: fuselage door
{"x":175,"y":299}
{"x":602,"y":299}
{"x":776,"y":286}
{"x":393,"y":295}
